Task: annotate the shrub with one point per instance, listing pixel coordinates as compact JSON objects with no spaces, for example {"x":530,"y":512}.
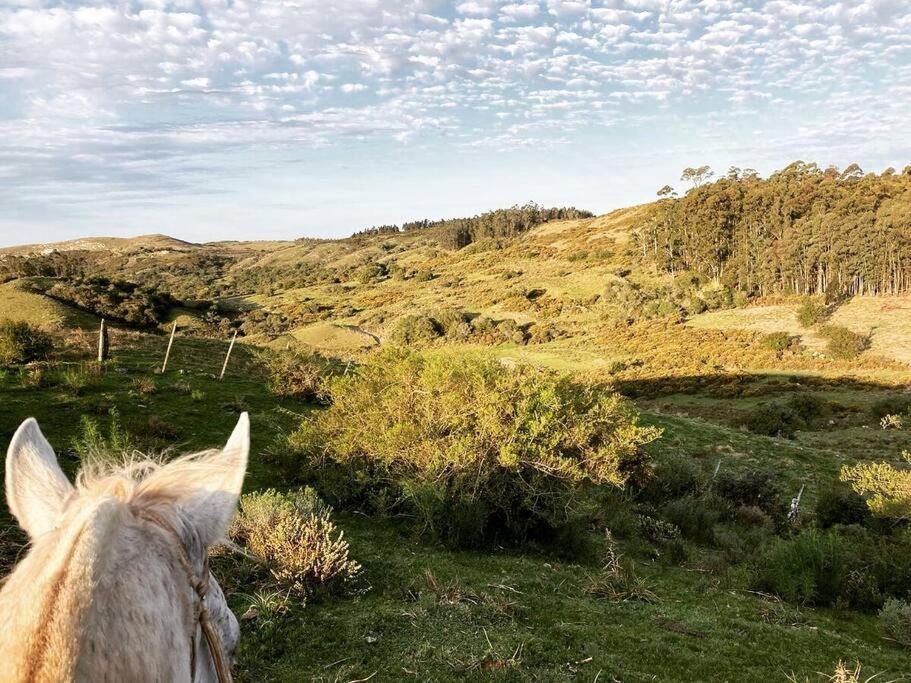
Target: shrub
{"x":78,"y":378}
{"x":299,"y":373}
{"x":811,"y":312}
{"x":842,"y":342}
{"x":371,"y":272}
{"x":617,"y":581}
{"x":452,"y":322}
{"x":840,"y":505}
{"x":891,"y":405}
{"x":696,"y":517}
{"x":145,"y":386}
{"x":293,"y":535}
{"x":889,"y":487}
{"x":807,"y":568}
{"x":756,"y":488}
{"x":415,"y":329}
{"x":673,"y":476}
{"x":808,"y":407}
{"x":156,"y":427}
{"x":114,"y":299}
{"x":777,"y":342}
{"x":92,"y":446}
{"x":518,"y":447}
{"x":895,"y":618}
{"x":21,"y":342}
{"x":774,"y":419}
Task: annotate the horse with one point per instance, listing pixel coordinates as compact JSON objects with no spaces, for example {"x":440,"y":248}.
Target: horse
{"x":115,"y":585}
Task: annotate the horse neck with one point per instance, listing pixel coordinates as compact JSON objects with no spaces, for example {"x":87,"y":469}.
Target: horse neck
{"x":95,"y":600}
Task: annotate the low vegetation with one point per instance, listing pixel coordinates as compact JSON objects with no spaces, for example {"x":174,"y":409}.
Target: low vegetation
{"x":114,"y":299}
{"x":21,"y":342}
{"x":293,"y":536}
{"x":474,"y":449}
{"x":300,"y":373}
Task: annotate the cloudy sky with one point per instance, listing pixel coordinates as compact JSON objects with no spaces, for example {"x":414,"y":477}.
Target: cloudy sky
{"x":210,"y":119}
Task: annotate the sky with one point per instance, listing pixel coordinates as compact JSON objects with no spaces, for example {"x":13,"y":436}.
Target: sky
{"x":236,"y":119}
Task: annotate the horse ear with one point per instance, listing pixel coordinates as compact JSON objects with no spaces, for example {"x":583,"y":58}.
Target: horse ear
{"x":36,"y":488}
{"x":216,"y":486}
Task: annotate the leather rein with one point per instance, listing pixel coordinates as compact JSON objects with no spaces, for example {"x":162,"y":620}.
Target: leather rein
{"x":200,"y":586}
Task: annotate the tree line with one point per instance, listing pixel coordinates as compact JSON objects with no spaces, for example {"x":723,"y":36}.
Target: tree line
{"x":455,"y":233}
{"x":802,"y":230}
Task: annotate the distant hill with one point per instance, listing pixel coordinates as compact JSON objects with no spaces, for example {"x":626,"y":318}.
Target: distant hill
{"x":556,"y":286}
{"x":103,"y":244}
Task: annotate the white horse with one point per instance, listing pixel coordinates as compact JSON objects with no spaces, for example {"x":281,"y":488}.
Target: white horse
{"x":116,"y":585}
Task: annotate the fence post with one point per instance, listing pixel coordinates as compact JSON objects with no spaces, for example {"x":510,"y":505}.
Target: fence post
{"x":227,"y":356}
{"x":167,"y":353}
{"x":104,"y":343}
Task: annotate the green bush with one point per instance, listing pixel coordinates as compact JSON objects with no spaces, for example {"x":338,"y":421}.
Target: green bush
{"x":808,"y":407}
{"x":415,"y":329}
{"x":753,"y":488}
{"x":300,"y":373}
{"x":21,"y":342}
{"x":673,"y":476}
{"x":891,"y":405}
{"x":811,"y":312}
{"x":452,"y":322}
{"x":842,"y":342}
{"x":806,"y":569}
{"x":895,"y":618}
{"x":777,"y":342}
{"x":774,"y":419}
{"x":115,"y":299}
{"x":514,"y":451}
{"x":840,"y":505}
{"x":293,"y":536}
{"x":696,"y":517}
{"x":371,"y":272}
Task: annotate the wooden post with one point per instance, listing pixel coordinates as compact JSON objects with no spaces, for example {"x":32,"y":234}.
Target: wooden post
{"x":167,"y":353}
{"x":227,"y":356}
{"x":104,"y":343}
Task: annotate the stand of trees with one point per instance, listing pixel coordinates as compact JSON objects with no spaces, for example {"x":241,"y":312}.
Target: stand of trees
{"x":455,"y":233}
{"x":53,"y":264}
{"x":802,"y":230}
{"x":115,"y":300}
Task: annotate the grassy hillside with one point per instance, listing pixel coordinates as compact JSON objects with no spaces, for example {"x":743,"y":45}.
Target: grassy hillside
{"x":20,"y":301}
{"x":427,"y":612}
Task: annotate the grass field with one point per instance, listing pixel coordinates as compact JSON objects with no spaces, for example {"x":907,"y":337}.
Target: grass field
{"x":887,"y":320}
{"x":18,"y":302}
{"x":426,"y":612}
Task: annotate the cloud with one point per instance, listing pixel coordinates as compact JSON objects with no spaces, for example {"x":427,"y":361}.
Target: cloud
{"x":157,"y":98}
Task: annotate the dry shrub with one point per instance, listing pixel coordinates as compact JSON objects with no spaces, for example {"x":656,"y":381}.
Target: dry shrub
{"x":293,"y":535}
{"x":845,"y":674}
{"x":144,"y":386}
{"x":617,"y":581}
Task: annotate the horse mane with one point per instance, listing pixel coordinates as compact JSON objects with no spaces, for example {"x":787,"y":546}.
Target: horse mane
{"x":45,"y":600}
